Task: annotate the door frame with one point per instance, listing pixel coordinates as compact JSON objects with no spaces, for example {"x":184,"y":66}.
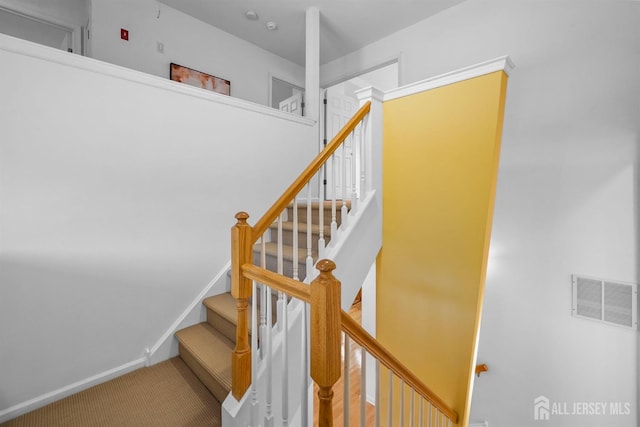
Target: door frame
{"x":323,"y":99}
{"x":77,"y":31}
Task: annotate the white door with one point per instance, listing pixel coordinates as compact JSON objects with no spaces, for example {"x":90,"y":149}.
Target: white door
{"x":340,"y":109}
{"x":293,"y":104}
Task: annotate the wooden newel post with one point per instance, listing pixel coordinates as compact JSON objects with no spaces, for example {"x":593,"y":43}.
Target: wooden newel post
{"x":241,"y":253}
{"x":325,"y":337}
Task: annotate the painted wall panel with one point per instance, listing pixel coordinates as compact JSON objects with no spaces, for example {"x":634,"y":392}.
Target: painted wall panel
{"x":187,"y":41}
{"x":117,"y":194}
{"x":441,"y":151}
{"x":567,"y":195}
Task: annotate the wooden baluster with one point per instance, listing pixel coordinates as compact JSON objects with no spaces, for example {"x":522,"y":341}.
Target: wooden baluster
{"x":241,"y":253}
{"x":421,"y":412}
{"x":325,"y":337}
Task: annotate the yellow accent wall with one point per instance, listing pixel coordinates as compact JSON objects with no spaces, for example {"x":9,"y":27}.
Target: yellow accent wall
{"x":441,"y":151}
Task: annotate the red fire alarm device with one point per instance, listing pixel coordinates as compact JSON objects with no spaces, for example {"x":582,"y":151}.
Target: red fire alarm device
{"x":124,"y":34}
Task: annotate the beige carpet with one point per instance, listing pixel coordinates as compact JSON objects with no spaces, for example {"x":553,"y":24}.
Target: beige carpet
{"x":166,"y":394}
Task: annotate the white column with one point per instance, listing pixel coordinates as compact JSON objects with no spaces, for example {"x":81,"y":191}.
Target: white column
{"x":312,"y":64}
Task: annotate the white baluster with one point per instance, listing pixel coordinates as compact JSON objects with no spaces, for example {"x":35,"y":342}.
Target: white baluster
{"x":390,"y":414}
{"x":345,"y":376}
{"x":263,"y":297}
{"x":295,"y":239}
{"x":377,"y":393}
{"x":334,"y":222}
{"x":363,"y":387}
{"x":321,"y":240}
{"x":401,"y":403}
{"x":254,"y":355}
{"x":354,"y":171}
{"x":304,"y":411}
{"x":361,"y":159}
{"x":285,"y":363}
{"x":429,"y":416}
{"x":411,"y":408}
{"x":309,"y":260}
{"x":268,"y":417}
{"x":420,"y":418}
{"x":280,"y":269}
{"x":343,"y":212}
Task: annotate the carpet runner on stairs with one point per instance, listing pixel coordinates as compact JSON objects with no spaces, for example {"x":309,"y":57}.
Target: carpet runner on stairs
{"x":206,"y":347}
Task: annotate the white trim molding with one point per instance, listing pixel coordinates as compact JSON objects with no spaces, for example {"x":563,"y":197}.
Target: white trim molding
{"x":502,"y":63}
{"x":34,"y":50}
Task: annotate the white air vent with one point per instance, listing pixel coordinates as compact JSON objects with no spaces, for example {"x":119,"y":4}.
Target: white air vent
{"x":605,"y":301}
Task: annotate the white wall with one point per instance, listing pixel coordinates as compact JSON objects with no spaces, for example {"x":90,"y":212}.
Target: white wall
{"x":567,"y":192}
{"x":117,"y":195}
{"x":187,"y":41}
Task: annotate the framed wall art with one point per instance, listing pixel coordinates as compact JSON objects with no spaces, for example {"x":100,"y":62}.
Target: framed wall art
{"x":180,"y":73}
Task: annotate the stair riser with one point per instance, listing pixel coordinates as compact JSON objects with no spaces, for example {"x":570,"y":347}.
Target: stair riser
{"x":218,"y":390}
{"x":287,"y":265}
{"x":315,"y":214}
{"x":225,"y":327}
{"x":287,"y":239}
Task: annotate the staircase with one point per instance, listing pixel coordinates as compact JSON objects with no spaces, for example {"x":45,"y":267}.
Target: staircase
{"x":207,"y":347}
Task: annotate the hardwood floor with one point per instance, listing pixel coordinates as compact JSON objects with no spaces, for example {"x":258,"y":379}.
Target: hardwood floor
{"x":353,"y":399}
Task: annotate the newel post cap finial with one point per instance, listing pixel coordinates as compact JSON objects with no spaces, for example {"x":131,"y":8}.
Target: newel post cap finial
{"x":242,"y":217}
{"x":326,"y":265}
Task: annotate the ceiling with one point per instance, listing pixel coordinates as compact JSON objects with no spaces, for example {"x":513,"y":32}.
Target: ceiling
{"x":345,"y":25}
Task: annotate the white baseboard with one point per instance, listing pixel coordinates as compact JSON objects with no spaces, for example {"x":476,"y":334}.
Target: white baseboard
{"x":61,"y":393}
{"x":479,"y":424}
{"x":167,"y":346}
{"x":162,"y":350}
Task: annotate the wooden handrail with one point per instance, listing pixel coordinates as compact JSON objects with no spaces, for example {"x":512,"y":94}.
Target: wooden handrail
{"x":362,"y":337}
{"x":272,"y":214}
{"x":291,"y":287}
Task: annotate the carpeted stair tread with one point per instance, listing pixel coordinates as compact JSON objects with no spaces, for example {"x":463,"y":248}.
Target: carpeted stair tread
{"x":208,"y":354}
{"x":302,"y":227}
{"x":166,"y":394}
{"x":222,"y":314}
{"x":326,"y":203}
{"x":225,"y":306}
